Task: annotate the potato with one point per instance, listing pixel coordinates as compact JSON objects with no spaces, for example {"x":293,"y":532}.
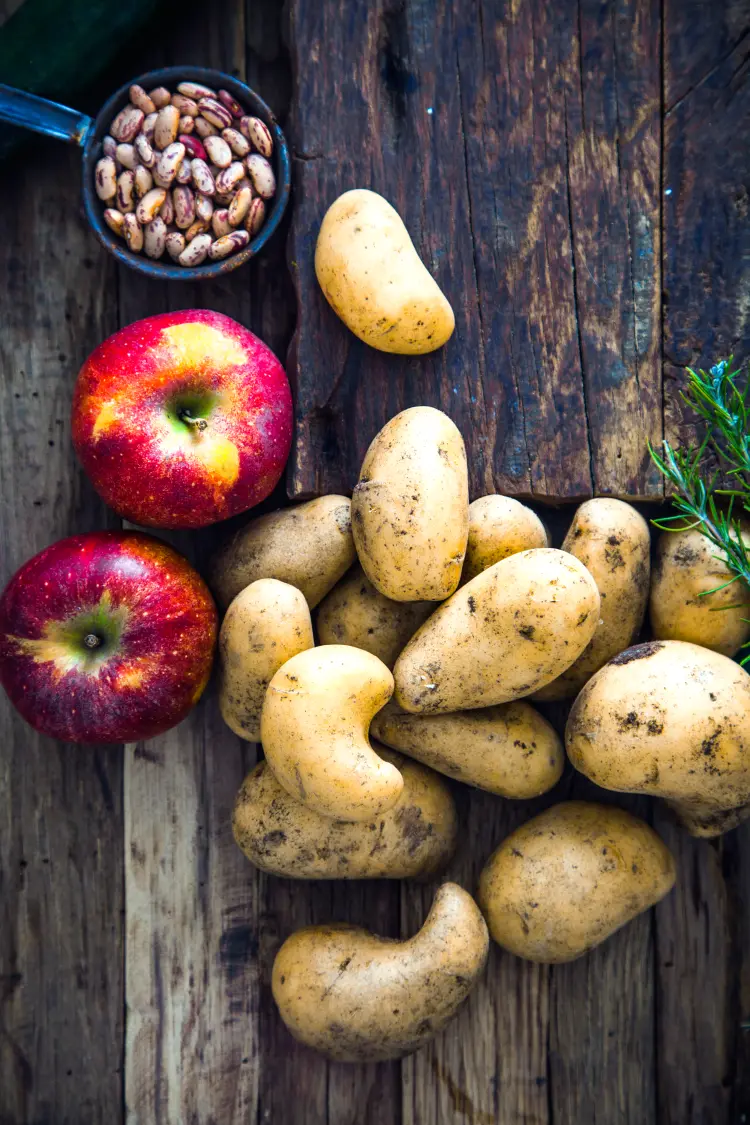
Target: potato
{"x":355,"y":997}
{"x":670,"y":719}
{"x":266,"y":624}
{"x":410,"y":509}
{"x":498,"y":527}
{"x":568,"y":878}
{"x":509,"y":749}
{"x":310,"y":546}
{"x":414,"y":838}
{"x":612,"y":541}
{"x":685,"y":568}
{"x":505,"y":634}
{"x":314,"y":726}
{"x":373,"y":278}
{"x":355,"y":613}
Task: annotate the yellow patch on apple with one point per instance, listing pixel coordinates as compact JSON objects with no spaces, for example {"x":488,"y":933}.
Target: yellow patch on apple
{"x":191,"y":347}
{"x":105,"y":419}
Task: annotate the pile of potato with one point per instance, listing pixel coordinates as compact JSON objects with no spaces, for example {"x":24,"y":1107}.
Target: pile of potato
{"x":437,"y":621}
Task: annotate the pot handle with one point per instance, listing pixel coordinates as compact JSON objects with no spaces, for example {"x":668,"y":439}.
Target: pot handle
{"x":30,"y":112}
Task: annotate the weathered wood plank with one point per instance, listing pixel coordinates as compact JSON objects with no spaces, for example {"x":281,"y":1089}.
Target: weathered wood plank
{"x":700,"y":961}
{"x":507,"y":162}
{"x":61,"y":889}
{"x":706,"y":201}
{"x":614,"y":165}
{"x":195,"y":907}
{"x":601,"y":1044}
{"x":490,"y":1065}
{"x":696,"y":985}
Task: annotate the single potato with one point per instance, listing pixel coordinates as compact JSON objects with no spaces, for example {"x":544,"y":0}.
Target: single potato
{"x":357,"y":997}
{"x":568,"y":878}
{"x":266,"y":624}
{"x":314,"y":725}
{"x":505,"y":634}
{"x":414,"y":838}
{"x":670,"y":719}
{"x":310,"y":546}
{"x":612,"y":541}
{"x":410,"y":509}
{"x":499,"y":526}
{"x":686,"y":567}
{"x":355,"y":613}
{"x":509,"y":749}
{"x":373,"y":278}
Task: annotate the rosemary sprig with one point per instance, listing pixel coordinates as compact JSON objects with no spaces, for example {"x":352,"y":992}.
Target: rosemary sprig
{"x":717,"y":397}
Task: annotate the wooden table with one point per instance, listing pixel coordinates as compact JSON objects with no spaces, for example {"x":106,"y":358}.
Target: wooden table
{"x":576,"y":174}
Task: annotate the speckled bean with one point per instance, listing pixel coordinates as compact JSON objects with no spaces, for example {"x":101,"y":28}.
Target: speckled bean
{"x":146,"y":155}
{"x":218,"y":151}
{"x":214,"y":112}
{"x":126,"y":191}
{"x":239,"y":206}
{"x":126,"y":125}
{"x":228,"y":179}
{"x":187,"y":125}
{"x":133,"y":232}
{"x":193,"y":146}
{"x":161,"y":96}
{"x":114,"y":220}
{"x":196,"y":251}
{"x":166,"y":166}
{"x":184,"y":207}
{"x":148,"y":208}
{"x":184,"y":172}
{"x":261,"y":174}
{"x":105,"y":178}
{"x":174,"y":243}
{"x":256,"y":216}
{"x":259,"y":135}
{"x":154,"y":237}
{"x":187,"y":106}
{"x":195,"y":90}
{"x":204,"y":128}
{"x":202,"y":178}
{"x":220,"y":224}
{"x":204,"y":207}
{"x":109,"y":146}
{"x":126,"y":155}
{"x":198,"y":227}
{"x":148,"y":126}
{"x":141,"y":100}
{"x":144,"y":181}
{"x":239,"y":145}
{"x":233,"y":106}
{"x":228,"y":244}
{"x":167,"y":209}
{"x":166,"y":127}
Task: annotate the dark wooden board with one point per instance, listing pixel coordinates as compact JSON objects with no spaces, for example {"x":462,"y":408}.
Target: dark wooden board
{"x":521,"y":144}
{"x":535,"y":192}
{"x":61,"y":825}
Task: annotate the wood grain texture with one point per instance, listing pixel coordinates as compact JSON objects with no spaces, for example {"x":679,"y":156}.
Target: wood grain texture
{"x":528,"y":178}
{"x":61,"y":895}
{"x":697,"y":1020}
{"x":194,"y":905}
{"x":706,"y":178}
{"x":601,"y":1045}
{"x":490,"y":1065}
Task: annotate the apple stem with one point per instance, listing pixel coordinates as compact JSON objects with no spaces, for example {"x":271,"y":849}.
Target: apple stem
{"x":198,"y":424}
{"x":92,"y":641}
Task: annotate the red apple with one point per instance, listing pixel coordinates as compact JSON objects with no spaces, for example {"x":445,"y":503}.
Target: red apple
{"x":182,"y":419}
{"x":106,"y":637}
